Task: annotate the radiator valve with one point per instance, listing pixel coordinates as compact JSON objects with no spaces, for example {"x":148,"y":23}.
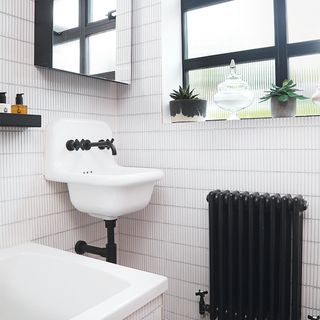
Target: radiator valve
{"x":203,"y":307}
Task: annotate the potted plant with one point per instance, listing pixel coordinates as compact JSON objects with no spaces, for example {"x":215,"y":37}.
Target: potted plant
{"x":283,"y":99}
{"x":186,"y":106}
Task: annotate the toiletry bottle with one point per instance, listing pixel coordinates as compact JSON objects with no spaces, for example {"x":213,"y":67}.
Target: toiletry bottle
{"x":19,"y":107}
{"x":4,"y":107}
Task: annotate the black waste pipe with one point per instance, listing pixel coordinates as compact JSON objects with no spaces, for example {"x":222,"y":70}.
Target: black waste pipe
{"x":109,"y":252}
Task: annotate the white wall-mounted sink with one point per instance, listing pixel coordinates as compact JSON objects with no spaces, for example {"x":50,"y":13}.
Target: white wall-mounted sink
{"x":96,"y":183}
{"x":42,"y":283}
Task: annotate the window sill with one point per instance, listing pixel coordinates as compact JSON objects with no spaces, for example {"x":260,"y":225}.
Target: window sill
{"x":262,"y":122}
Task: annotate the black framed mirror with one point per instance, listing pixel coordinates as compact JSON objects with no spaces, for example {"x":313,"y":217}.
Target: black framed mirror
{"x":87,"y":37}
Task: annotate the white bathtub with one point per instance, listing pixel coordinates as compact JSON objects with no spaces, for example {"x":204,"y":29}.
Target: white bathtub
{"x":42,"y":283}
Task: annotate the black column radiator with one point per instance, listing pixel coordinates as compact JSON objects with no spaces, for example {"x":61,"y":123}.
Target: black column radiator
{"x":255,"y":256}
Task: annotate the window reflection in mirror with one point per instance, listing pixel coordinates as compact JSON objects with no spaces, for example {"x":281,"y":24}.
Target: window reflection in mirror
{"x":84,"y":38}
{"x":65,"y":15}
{"x":99,"y":9}
{"x":66,"y":56}
{"x":101,"y":53}
{"x":87,"y":37}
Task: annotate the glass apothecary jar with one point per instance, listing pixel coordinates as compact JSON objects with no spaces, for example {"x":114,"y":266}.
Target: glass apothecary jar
{"x":233,"y":94}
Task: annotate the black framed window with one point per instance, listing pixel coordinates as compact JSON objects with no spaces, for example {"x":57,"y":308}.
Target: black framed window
{"x":82,"y":28}
{"x":270,"y":40}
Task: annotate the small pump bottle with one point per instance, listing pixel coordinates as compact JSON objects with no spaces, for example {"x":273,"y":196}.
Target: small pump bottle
{"x":4,"y":107}
{"x":19,"y":107}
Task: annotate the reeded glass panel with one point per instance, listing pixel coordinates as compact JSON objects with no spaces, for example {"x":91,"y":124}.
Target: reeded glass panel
{"x":303,"y":20}
{"x":229,"y":27}
{"x":259,"y":76}
{"x":99,"y":9}
{"x":66,"y":56}
{"x":102,"y":53}
{"x":305,"y":71}
{"x":65,"y":15}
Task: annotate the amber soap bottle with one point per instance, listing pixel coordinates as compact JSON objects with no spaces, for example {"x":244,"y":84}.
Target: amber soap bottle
{"x":19,"y":107}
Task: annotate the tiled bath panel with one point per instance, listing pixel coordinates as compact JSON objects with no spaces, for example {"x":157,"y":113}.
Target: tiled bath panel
{"x":151,"y":311}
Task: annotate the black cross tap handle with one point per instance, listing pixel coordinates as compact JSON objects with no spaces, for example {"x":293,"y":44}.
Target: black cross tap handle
{"x":201,"y":293}
{"x":203,"y":307}
{"x":73,"y":145}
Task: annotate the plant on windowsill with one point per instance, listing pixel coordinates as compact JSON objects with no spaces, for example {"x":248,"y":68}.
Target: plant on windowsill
{"x":186,"y":106}
{"x":283,"y":99}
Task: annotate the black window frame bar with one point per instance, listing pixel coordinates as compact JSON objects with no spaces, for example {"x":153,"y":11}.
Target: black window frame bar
{"x":280,"y":52}
{"x":47,"y":37}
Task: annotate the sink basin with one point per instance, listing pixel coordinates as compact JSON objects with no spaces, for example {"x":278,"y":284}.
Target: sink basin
{"x":42,"y":283}
{"x":114,"y":192}
{"x":97,"y":184}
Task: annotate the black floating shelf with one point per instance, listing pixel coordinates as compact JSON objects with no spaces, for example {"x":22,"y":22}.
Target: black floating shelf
{"x":20,"y":120}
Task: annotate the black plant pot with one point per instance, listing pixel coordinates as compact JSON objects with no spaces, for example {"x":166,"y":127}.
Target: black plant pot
{"x":188,"y":110}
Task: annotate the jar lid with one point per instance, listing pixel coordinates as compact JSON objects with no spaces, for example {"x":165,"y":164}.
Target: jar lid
{"x":233,"y":81}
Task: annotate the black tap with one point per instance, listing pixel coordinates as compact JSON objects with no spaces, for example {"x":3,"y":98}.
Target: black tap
{"x":72,"y":145}
{"x":203,"y":307}
{"x":102,"y":144}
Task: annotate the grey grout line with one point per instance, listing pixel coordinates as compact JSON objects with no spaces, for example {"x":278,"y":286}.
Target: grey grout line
{"x":38,"y":217}
{"x":67,"y":230}
{"x":159,"y":258}
{"x":33,"y":197}
{"x":16,"y":39}
{"x":196,"y":149}
{"x":16,"y":17}
{"x":128,"y":218}
{"x":167,"y":128}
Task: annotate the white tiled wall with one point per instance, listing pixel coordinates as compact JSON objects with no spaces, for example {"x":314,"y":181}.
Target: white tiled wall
{"x":170,"y":237}
{"x":30,"y":207}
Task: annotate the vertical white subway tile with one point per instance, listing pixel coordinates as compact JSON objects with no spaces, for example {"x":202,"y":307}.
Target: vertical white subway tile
{"x":31,"y":208}
{"x":170,"y":237}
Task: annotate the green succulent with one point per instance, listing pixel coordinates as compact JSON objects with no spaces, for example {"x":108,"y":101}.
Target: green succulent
{"x":184,"y":94}
{"x":288,"y":90}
